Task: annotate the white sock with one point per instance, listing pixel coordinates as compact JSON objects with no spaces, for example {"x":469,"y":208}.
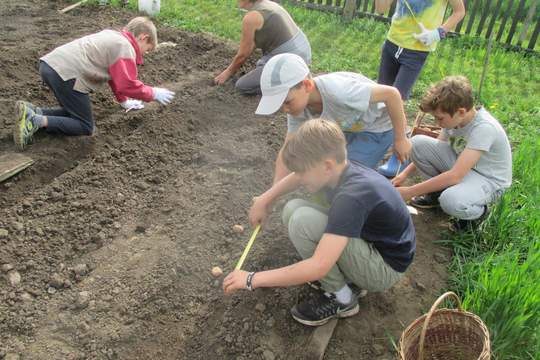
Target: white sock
{"x":344,"y":295}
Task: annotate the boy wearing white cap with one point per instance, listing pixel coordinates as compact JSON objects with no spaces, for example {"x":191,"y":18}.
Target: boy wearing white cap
{"x":371,"y":115}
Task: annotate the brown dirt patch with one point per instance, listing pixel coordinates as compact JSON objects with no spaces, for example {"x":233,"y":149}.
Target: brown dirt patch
{"x":148,"y":205}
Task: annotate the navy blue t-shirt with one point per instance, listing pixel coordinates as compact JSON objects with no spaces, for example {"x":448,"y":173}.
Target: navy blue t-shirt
{"x":366,"y":205}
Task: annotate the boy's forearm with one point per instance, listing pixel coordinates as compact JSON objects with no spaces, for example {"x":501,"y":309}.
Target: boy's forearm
{"x":295,"y":274}
{"x":458,"y":13}
{"x":281,"y":170}
{"x":397,"y":115}
{"x":286,"y":185}
{"x":437,"y":183}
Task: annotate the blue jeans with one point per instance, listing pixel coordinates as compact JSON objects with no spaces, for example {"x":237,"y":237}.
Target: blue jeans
{"x":368,"y":148}
{"x":74,"y":117}
{"x":400,"y":67}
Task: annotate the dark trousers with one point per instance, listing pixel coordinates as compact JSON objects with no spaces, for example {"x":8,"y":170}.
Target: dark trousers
{"x":400,"y":67}
{"x":74,"y":117}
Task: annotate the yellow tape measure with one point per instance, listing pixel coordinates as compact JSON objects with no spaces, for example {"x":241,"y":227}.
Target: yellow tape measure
{"x":248,"y":247}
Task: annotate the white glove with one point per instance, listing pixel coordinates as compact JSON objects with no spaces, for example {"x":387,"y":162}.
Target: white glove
{"x":427,"y":37}
{"x":163,"y":96}
{"x":131,"y":104}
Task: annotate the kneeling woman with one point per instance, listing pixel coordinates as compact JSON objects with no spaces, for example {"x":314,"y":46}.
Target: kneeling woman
{"x":269,"y":27}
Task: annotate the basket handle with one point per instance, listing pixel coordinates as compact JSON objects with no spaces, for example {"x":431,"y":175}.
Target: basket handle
{"x":428,"y":318}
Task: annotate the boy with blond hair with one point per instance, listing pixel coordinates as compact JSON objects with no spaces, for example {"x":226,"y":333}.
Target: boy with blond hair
{"x":365,"y":237}
{"x":371,"y":115}
{"x":77,"y":68}
{"x":468,"y":166}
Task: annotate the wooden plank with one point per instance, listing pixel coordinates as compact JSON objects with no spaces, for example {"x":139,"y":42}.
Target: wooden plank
{"x":471,"y":17}
{"x":527,"y":22}
{"x":349,"y":9}
{"x":71,"y":7}
{"x":534,"y":36}
{"x":505,"y":18}
{"x":319,"y":339}
{"x":366,"y":3}
{"x":392,"y":9}
{"x":485,"y":15}
{"x":517,"y":15}
{"x":11,"y":164}
{"x":494,"y":16}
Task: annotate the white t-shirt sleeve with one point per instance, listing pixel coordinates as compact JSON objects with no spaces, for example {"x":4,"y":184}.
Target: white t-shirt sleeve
{"x":482,"y":137}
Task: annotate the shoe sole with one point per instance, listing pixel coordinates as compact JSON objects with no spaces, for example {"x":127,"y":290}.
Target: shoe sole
{"x":425,"y":206}
{"x":17,"y":126}
{"x":341,"y":315}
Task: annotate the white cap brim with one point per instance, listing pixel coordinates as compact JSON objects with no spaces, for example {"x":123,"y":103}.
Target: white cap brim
{"x":270,"y":104}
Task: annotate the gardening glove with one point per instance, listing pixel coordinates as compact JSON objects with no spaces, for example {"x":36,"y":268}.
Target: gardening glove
{"x":163,"y":96}
{"x":131,"y":104}
{"x":427,"y":37}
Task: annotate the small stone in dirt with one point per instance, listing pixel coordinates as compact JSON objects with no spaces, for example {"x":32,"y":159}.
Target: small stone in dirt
{"x":26,"y":204}
{"x":51,"y":290}
{"x":216,"y":271}
{"x":7,"y":267}
{"x":18,"y":226}
{"x":80,"y":269}
{"x":238,"y":229}
{"x":419,"y":286}
{"x":260,"y":307}
{"x":378,"y":349}
{"x":270,"y":322}
{"x":26,"y":297}
{"x":39,"y":231}
{"x":3,"y":233}
{"x":12,"y":356}
{"x":141,"y":185}
{"x":56,"y":281}
{"x":440,"y":258}
{"x":268,"y":355}
{"x":14,"y":278}
{"x":82,"y":300}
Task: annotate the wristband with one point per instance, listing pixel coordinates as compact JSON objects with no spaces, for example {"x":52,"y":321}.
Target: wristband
{"x":249,"y":284}
{"x":442,"y":33}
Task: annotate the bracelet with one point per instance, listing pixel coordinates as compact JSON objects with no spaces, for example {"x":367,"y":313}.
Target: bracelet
{"x":249,"y":284}
{"x":442,"y":33}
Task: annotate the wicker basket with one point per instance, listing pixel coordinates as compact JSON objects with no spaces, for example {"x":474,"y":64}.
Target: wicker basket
{"x":444,"y":334}
{"x":428,"y":130}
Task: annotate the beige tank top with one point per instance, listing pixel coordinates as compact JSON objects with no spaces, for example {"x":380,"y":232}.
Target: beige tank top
{"x":278,"y":27}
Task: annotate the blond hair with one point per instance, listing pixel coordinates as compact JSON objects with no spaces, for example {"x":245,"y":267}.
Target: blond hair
{"x":448,"y":95}
{"x":143,"y":25}
{"x":315,"y":140}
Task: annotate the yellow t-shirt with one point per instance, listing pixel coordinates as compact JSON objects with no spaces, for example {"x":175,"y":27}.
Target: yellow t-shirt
{"x":404,"y":24}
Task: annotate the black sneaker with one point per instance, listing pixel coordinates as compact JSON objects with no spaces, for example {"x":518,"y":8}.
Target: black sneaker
{"x":426,"y":201}
{"x":460,"y":225}
{"x":320,"y":309}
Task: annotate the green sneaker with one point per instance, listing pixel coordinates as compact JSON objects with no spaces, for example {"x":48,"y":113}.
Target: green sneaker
{"x":24,"y":128}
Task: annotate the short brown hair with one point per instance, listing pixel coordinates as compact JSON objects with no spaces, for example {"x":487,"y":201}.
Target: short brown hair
{"x":143,"y":25}
{"x":314,"y":141}
{"x":448,"y":95}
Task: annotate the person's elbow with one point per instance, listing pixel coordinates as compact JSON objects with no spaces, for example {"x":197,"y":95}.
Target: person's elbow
{"x":320,"y":269}
{"x":455,"y":176}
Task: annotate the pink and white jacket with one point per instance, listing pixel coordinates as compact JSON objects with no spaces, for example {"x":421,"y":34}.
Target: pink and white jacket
{"x":107,"y":56}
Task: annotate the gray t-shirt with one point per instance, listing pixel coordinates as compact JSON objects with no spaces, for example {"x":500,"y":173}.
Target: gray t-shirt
{"x":345,"y":100}
{"x":486,"y":134}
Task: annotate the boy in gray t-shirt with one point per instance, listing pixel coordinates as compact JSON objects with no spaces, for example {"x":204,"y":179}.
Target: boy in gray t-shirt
{"x":371,"y":115}
{"x":468,"y":166}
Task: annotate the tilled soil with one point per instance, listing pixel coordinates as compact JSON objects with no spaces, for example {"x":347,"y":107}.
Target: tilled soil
{"x":113,"y":236}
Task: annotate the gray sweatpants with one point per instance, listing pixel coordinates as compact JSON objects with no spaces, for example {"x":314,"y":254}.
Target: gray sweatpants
{"x":465,"y":200}
{"x":360,"y":262}
{"x":250,"y":84}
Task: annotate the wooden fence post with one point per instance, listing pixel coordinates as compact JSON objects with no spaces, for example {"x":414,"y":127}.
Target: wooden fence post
{"x":349,"y":9}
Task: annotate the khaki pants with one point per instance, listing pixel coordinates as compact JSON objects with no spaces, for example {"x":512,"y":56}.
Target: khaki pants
{"x":360,"y":262}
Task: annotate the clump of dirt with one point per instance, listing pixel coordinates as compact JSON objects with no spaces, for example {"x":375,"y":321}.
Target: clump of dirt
{"x":112,"y":237}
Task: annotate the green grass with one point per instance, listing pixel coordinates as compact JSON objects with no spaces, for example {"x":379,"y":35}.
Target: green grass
{"x":497,"y":270}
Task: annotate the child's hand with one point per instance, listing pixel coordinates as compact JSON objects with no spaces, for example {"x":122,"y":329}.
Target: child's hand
{"x":402,"y":148}
{"x":398,"y":180}
{"x":258,"y":211}
{"x":223,"y":77}
{"x":406,"y":192}
{"x":235,"y":281}
{"x":132,"y":104}
{"x":427,"y":37}
{"x":163,"y":96}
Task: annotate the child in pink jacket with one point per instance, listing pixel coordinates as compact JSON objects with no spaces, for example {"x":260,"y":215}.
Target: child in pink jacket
{"x":77,"y":68}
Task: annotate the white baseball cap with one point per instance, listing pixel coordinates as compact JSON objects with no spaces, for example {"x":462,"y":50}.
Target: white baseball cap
{"x":279,"y":75}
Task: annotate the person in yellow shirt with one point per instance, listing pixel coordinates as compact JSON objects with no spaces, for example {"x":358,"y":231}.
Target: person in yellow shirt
{"x":417,"y":26}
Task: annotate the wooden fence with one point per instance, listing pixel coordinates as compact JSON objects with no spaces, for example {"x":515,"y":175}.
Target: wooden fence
{"x":515,"y":24}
